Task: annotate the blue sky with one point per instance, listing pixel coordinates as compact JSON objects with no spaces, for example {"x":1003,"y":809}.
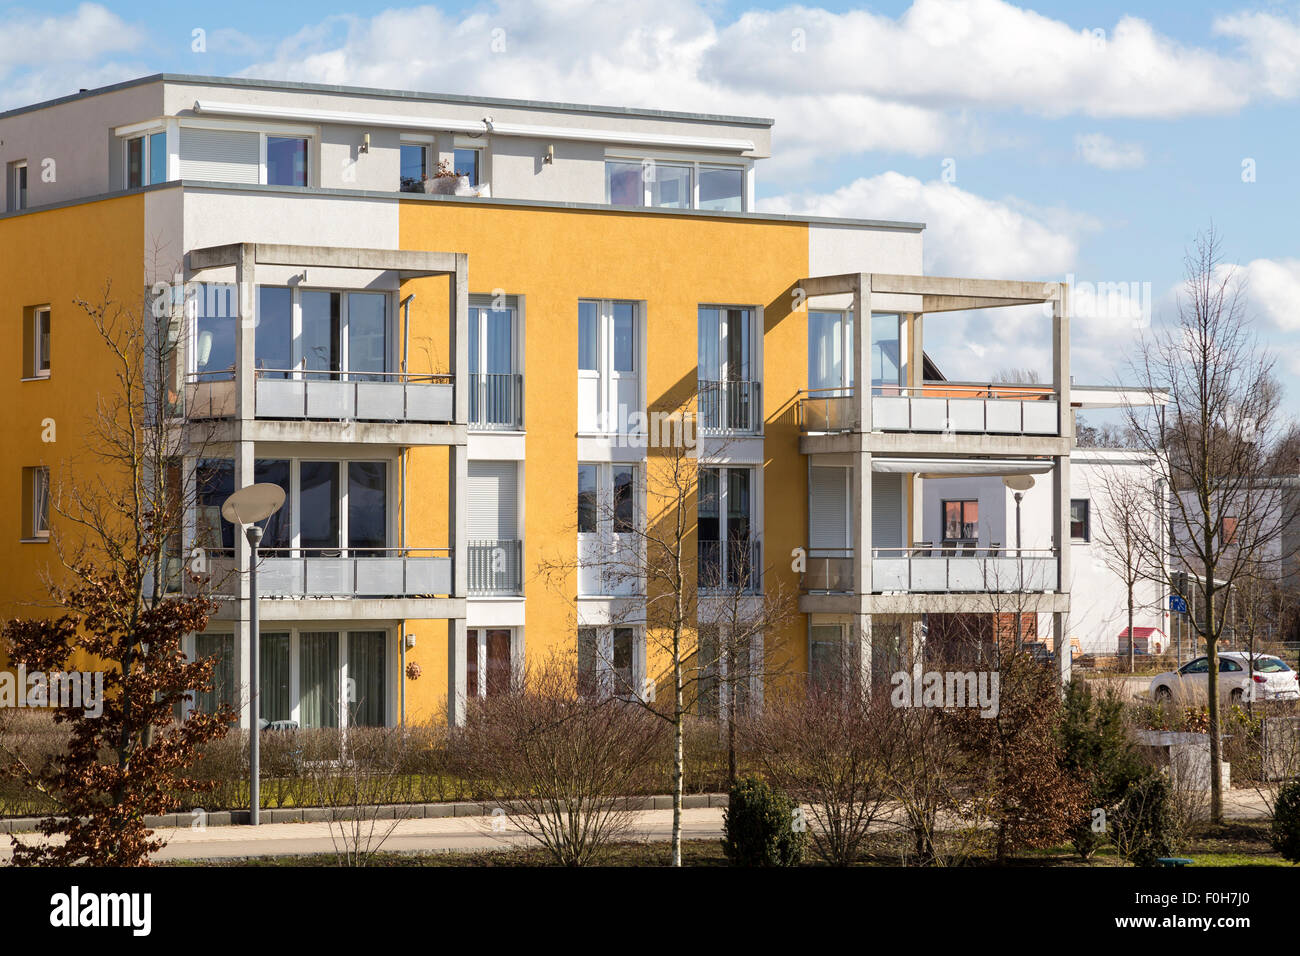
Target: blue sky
{"x":1037,"y":142}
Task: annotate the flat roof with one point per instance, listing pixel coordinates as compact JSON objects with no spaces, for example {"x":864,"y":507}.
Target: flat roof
{"x":253,"y":83}
{"x":472,"y":200}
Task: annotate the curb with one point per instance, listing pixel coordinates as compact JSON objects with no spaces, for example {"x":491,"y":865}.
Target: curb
{"x":388,"y":811}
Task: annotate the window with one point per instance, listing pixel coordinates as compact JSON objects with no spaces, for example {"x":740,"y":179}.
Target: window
{"x":146,"y":160}
{"x":36,"y":503}
{"x":225,"y":687}
{"x":488,"y":662}
{"x":1199,"y":666}
{"x":611,"y":661}
{"x":674,"y":184}
{"x":1080,"y":529}
{"x":468,"y":162}
{"x":414,"y":167}
{"x":609,"y":347}
{"x":961,"y":520}
{"x":16,"y":186}
{"x":1227,"y":531}
{"x":727,"y":396}
{"x":311,"y":333}
{"x":828,"y":659}
{"x":36,"y":342}
{"x":728,"y":555}
{"x":728,"y":670}
{"x":607,"y":505}
{"x":286,"y":161}
{"x":494,"y":394}
{"x":830,"y":351}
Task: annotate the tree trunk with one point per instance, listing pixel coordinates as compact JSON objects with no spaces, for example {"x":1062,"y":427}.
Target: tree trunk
{"x":678,"y":749}
{"x":1212,"y":684}
{"x":1132,"y":662}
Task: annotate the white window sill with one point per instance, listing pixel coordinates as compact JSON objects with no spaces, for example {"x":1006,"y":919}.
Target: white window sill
{"x":42,"y":540}
{"x":36,"y":378}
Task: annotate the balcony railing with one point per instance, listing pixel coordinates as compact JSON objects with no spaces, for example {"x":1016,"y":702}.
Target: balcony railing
{"x":941,"y":407}
{"x":828,"y":571}
{"x":731,"y":566}
{"x":495,"y":567}
{"x":956,"y":570}
{"x":360,"y":573}
{"x":729,"y":408}
{"x":496,"y":400}
{"x":299,"y":394}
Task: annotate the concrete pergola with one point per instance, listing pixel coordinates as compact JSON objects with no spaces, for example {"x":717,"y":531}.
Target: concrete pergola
{"x":943,"y":294}
{"x":245,"y":431}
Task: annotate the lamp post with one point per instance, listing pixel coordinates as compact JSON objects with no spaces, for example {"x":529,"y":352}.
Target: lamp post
{"x":246,"y":507}
{"x":1019,"y":484}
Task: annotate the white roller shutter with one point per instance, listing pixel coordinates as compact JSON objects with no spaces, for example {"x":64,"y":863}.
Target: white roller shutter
{"x":828,"y":507}
{"x":886,"y":511}
{"x":220,"y":156}
{"x":493,"y":501}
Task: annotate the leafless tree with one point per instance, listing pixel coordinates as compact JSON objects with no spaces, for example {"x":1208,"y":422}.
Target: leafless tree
{"x":566,"y":765}
{"x":668,"y":588}
{"x":1212,"y":418}
{"x":1130,"y":517}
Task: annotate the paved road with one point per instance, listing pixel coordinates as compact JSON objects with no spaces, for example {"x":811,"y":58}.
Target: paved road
{"x":450,"y":833}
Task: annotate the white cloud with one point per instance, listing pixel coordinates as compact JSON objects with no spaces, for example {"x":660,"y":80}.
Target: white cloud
{"x":1098,"y":149}
{"x":42,"y":57}
{"x":1272,"y":291}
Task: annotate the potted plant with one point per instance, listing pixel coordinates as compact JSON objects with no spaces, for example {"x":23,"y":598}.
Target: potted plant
{"x":443,"y":181}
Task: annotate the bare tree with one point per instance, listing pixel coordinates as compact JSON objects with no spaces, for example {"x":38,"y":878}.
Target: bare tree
{"x":1130,"y":517}
{"x":1213,"y":440}
{"x":668,"y":587}
{"x":563,"y":763}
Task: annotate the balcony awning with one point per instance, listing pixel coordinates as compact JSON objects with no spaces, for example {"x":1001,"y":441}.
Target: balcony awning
{"x":959,"y":467}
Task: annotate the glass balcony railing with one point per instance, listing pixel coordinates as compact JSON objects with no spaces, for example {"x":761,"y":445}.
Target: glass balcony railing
{"x":942,"y":407}
{"x":336,"y":573}
{"x":298,"y":394}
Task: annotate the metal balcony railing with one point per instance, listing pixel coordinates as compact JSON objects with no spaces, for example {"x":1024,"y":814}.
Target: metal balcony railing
{"x":731,"y":566}
{"x":495,"y":567}
{"x":729,"y":408}
{"x":828,"y":571}
{"x":496,"y":400}
{"x":948,"y":407}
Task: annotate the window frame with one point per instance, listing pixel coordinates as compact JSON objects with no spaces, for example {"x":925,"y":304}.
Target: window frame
{"x":601,"y":684}
{"x":35,"y":504}
{"x":41,"y":354}
{"x":480,"y":160}
{"x":425,"y":146}
{"x":943,"y":520}
{"x":695,"y":163}
{"x":17,"y":198}
{"x":1086,"y":520}
{"x":310,"y":133}
{"x":605,"y":375}
{"x":723,"y":517}
{"x":149,"y":176}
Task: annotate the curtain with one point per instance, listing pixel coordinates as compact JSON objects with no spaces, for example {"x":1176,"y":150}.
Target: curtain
{"x":222,"y":647}
{"x":273,"y":679}
{"x":318,"y":679}
{"x":367,"y":703}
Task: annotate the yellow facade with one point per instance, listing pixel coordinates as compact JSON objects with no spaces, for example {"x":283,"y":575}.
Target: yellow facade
{"x":552,"y":258}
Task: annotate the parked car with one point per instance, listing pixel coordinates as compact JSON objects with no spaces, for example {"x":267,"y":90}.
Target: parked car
{"x":1272,"y":679}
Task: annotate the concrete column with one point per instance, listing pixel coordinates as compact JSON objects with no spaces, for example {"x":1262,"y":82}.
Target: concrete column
{"x":861,"y":521}
{"x":245,"y":412}
{"x":1061,"y":358}
{"x":862,"y":650}
{"x":862,"y":351}
{"x":1062,"y":647}
{"x":918,"y":646}
{"x":457,"y":673}
{"x":458,"y":322}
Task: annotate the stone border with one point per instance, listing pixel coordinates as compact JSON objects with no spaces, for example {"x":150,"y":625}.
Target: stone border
{"x":390,"y":811}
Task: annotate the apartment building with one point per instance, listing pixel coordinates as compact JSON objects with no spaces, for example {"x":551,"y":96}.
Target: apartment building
{"x":445,"y":382}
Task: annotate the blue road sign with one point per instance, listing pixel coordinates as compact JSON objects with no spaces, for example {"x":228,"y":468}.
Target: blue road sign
{"x":1177,"y":603}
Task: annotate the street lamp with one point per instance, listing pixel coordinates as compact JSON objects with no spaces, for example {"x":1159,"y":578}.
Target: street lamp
{"x":1019,"y":484}
{"x":246,"y":507}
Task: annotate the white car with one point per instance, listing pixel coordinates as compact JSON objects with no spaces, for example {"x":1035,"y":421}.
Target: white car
{"x":1272,"y":679}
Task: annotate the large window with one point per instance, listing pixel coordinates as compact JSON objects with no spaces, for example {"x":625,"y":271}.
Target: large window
{"x":607,"y":505}
{"x":609,"y":347}
{"x":674,"y":184}
{"x":830,"y":351}
{"x":146,"y":159}
{"x":488,"y":666}
{"x":224,"y":691}
{"x":729,"y":665}
{"x":961,"y":521}
{"x":276,"y":158}
{"x":321,"y":334}
{"x":495,"y":395}
{"x":611,"y":662}
{"x":728,"y":393}
{"x":728,"y":553}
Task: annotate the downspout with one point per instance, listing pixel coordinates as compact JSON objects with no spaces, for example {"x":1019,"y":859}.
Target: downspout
{"x":401,"y":630}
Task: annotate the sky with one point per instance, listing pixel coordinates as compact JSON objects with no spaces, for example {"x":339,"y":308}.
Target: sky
{"x":1058,"y":141}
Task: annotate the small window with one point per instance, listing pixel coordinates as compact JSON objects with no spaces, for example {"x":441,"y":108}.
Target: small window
{"x":1080,"y":529}
{"x":16,"y":186}
{"x":961,"y":520}
{"x":135,"y":162}
{"x":415,"y":167}
{"x":468,"y":162}
{"x":587,"y":499}
{"x":1199,"y":666}
{"x":146,"y":160}
{"x":286,"y":161}
{"x":722,"y":188}
{"x":36,"y":503}
{"x":1227,"y":531}
{"x":1228,"y":666}
{"x":41,"y":340}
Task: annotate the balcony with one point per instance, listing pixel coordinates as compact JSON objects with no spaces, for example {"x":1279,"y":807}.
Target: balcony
{"x":940,"y":407}
{"x":729,"y":408}
{"x":829,"y":571}
{"x":734,"y":567}
{"x":496,"y":401}
{"x":495,"y":568}
{"x":297,"y":395}
{"x":959,"y":570}
{"x":372,"y":573}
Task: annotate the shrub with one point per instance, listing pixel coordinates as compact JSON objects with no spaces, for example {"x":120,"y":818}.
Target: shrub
{"x":759,"y":828}
{"x":1285,"y":830}
{"x":1142,"y":825}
